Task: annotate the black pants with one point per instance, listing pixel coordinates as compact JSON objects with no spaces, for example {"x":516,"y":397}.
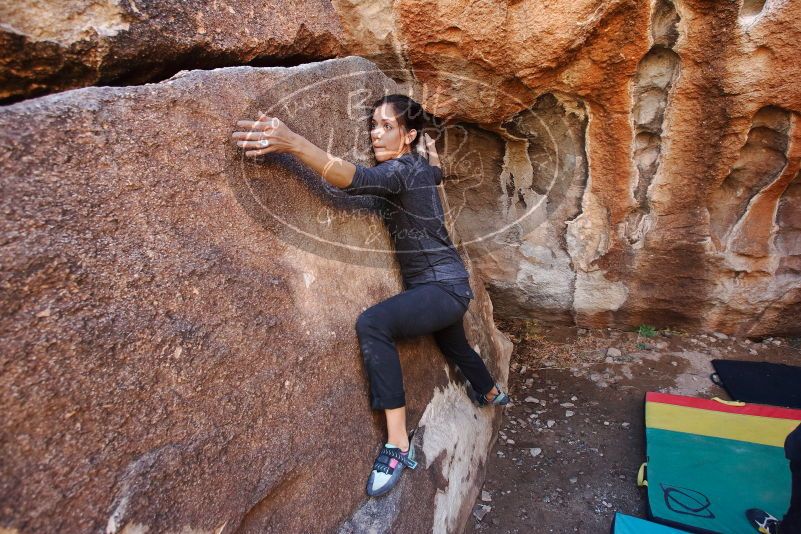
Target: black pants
{"x":791,"y":524}
{"x":425,"y":309}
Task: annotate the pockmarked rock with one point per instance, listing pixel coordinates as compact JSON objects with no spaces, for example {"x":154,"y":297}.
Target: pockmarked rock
{"x":177,"y":322}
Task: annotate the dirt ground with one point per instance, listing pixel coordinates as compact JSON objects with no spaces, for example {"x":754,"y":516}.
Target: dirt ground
{"x":568,"y":451}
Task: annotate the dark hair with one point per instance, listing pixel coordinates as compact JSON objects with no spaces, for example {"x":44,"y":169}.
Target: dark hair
{"x":410,"y":114}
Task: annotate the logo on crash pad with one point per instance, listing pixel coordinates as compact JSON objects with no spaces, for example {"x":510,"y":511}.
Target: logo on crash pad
{"x":687,"y":501}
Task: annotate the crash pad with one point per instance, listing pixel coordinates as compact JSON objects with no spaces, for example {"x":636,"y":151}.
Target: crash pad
{"x":709,"y":460}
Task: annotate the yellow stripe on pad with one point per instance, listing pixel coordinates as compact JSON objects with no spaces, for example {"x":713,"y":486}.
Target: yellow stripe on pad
{"x":749,"y":428}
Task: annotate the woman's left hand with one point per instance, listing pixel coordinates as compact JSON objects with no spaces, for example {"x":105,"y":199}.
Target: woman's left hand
{"x":264,"y":136}
{"x":431,"y":149}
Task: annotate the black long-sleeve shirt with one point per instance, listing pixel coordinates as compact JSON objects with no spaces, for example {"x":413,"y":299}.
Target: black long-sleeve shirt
{"x":415,"y":219}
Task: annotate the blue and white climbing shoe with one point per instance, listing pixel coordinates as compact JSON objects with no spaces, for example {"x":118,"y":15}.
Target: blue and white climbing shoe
{"x":388,"y":467}
{"x":762,"y":521}
{"x":501,"y":399}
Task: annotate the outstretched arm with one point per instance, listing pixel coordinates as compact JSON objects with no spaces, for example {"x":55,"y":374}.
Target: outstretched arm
{"x":268,"y":134}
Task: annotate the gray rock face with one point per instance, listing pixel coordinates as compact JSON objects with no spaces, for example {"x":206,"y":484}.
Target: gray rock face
{"x":177,"y":323}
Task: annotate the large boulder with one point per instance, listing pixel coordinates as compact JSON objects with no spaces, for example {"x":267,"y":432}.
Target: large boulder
{"x":53,"y":45}
{"x":178,"y":323}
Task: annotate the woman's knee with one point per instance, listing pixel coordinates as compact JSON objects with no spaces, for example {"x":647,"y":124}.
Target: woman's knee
{"x":364,"y":323}
{"x":369,"y":322}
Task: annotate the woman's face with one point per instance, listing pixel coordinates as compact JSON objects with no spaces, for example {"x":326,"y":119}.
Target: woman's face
{"x":389,"y":139}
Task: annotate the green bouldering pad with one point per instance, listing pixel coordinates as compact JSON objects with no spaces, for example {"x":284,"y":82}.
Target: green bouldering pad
{"x":708,"y":461}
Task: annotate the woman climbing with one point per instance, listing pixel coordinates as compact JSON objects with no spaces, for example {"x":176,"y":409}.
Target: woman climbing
{"x":437,"y":291}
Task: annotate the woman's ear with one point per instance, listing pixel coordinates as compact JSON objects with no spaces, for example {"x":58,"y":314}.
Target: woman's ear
{"x":410,"y":136}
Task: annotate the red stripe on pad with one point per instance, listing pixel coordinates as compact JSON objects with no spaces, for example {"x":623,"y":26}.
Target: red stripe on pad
{"x":708,"y":404}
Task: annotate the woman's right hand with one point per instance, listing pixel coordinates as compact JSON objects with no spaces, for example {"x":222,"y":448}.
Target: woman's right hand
{"x":269,"y":134}
{"x":264,"y":136}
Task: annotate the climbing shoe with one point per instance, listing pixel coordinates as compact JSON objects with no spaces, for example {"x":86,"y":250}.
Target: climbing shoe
{"x":388,"y":467}
{"x":501,"y":399}
{"x":762,"y":521}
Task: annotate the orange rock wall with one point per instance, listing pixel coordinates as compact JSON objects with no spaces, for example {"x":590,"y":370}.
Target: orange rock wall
{"x":687,"y":215}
